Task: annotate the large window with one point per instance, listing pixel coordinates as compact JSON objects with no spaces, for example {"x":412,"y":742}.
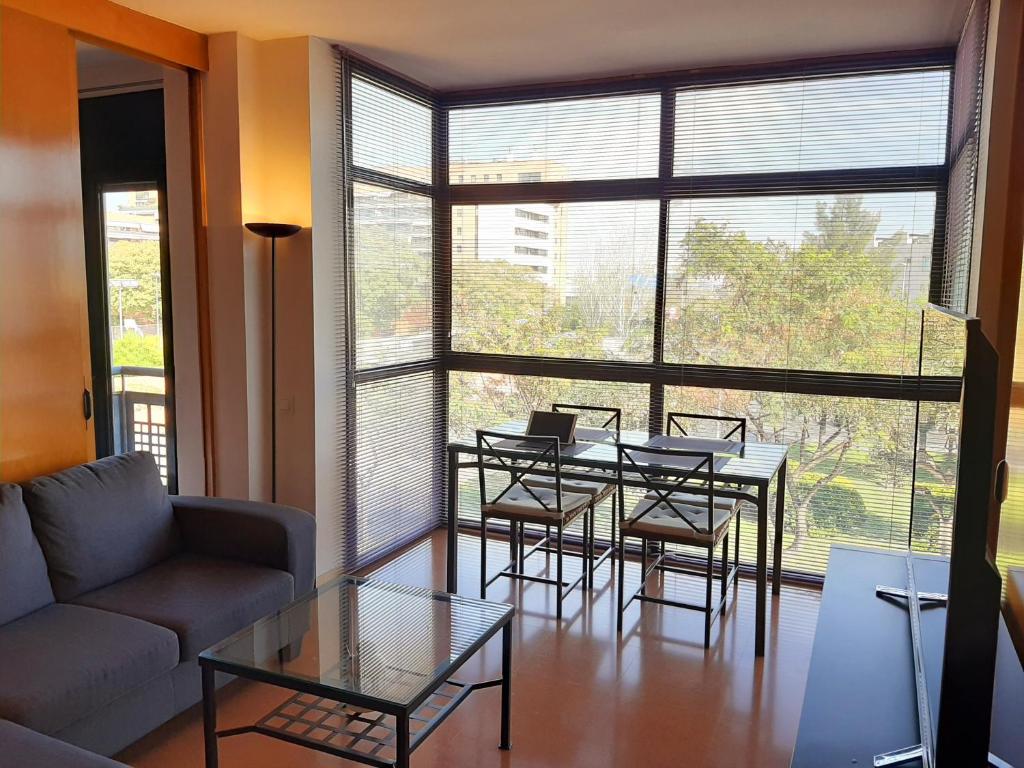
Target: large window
{"x":756,"y":248}
{"x":393,"y":418}
{"x":760,"y":247}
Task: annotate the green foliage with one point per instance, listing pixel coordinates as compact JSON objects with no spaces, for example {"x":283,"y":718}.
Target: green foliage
{"x":141,"y":351}
{"x":836,"y":506}
{"x":135,"y":260}
{"x":381,"y":265}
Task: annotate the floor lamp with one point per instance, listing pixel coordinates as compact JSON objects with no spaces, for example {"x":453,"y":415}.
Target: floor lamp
{"x":274,"y":232}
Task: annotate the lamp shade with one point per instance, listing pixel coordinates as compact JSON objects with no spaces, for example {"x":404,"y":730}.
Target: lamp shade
{"x":270,"y":229}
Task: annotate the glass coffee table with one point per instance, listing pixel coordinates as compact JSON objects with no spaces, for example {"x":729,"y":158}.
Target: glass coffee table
{"x":371,"y":665}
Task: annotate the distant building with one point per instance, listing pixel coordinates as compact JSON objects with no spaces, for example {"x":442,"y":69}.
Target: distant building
{"x":136,"y":219}
{"x":912,"y":261}
{"x":530,"y":235}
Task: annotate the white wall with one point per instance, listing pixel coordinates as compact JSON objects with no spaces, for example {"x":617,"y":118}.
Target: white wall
{"x":271,"y":169}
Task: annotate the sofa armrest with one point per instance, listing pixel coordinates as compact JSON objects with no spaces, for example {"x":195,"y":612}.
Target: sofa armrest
{"x":272,"y":535}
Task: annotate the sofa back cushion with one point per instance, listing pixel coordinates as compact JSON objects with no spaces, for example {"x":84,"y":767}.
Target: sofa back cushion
{"x":24,"y":585}
{"x":101,"y":522}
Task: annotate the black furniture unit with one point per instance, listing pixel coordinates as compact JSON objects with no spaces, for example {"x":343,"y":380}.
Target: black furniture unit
{"x":860,"y":696}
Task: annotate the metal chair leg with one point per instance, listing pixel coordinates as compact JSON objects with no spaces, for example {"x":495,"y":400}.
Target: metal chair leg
{"x":622,"y":584}
{"x":513,"y":545}
{"x":585,"y":560}
{"x":725,"y":562}
{"x":522,"y":547}
{"x":558,"y":568}
{"x":589,"y":544}
{"x":483,"y":558}
{"x":736,"y":548}
{"x":643,"y":566}
{"x":707,"y":607}
{"x":615,"y":526}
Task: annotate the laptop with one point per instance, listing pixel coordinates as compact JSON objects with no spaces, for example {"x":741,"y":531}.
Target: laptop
{"x":547,"y":424}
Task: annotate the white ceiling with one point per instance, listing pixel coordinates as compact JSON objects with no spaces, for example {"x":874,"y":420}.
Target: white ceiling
{"x":471,"y":43}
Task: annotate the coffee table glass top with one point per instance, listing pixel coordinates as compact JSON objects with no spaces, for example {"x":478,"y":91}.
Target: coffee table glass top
{"x":380,"y":641}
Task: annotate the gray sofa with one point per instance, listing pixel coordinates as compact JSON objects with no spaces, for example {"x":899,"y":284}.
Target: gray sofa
{"x":110,"y":588}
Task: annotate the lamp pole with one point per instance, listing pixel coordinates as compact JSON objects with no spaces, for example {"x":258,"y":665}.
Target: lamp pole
{"x":273,"y":231}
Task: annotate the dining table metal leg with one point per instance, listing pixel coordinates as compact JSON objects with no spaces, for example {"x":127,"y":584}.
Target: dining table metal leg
{"x":452,"y":554}
{"x":780,"y":508}
{"x":762,"y":569}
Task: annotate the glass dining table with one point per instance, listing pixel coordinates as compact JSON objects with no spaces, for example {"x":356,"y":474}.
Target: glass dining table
{"x":747,"y":470}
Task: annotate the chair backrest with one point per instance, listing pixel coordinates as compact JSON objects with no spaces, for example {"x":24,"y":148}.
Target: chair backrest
{"x":610,"y":419}
{"x":732,"y":424}
{"x":666,"y":471}
{"x":517,"y":456}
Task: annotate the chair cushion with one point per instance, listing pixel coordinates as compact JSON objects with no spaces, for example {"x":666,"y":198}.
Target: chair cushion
{"x":663,"y":522}
{"x":596,"y":489}
{"x":25,"y":747}
{"x":101,"y":522}
{"x":24,"y":585}
{"x":696,"y":499}
{"x":519,"y":503}
{"x":64,"y":662}
{"x":201,"y":599}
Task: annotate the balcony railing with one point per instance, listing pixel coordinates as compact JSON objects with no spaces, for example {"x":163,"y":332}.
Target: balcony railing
{"x":140,"y":413}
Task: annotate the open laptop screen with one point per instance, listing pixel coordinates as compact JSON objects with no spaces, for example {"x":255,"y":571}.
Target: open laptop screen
{"x":553,"y":424}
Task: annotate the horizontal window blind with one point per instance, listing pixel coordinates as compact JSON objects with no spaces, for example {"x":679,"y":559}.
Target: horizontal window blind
{"x":391,"y":133}
{"x":393,"y":261}
{"x":963,"y":158}
{"x":613,"y":137}
{"x":877,"y":120}
{"x":809,"y":282}
{"x":562,"y":280}
{"x":398,"y":485}
{"x":396,"y":415}
{"x":850,"y":467}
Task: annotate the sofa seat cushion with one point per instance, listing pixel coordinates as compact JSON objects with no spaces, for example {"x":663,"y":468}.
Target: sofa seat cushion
{"x":24,"y":747}
{"x":201,"y":599}
{"x":24,"y":584}
{"x":101,"y":522}
{"x":63,"y":662}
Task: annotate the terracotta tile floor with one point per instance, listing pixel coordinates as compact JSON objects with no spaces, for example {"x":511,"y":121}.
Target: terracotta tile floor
{"x":581,"y":696}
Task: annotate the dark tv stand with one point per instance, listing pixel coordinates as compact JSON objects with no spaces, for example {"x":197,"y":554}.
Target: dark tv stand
{"x":861,"y":698}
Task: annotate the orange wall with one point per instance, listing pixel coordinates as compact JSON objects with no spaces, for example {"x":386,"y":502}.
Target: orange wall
{"x":44,"y":343}
{"x":115,"y":26}
{"x":44,"y":340}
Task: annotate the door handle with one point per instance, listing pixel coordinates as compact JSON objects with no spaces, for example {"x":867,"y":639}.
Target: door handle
{"x":87,"y":404}
{"x":1002,"y":489}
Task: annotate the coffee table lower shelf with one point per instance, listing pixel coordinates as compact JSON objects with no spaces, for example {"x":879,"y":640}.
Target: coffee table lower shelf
{"x":354,"y":733}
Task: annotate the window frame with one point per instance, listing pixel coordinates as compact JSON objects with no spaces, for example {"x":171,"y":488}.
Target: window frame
{"x":353,"y":66}
{"x":657,"y":374}
{"x":667,"y":187}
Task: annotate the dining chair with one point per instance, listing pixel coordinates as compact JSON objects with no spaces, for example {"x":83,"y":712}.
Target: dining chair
{"x":683,"y":508}
{"x":677,"y":419}
{"x":600,"y":485}
{"x":520,"y":504}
